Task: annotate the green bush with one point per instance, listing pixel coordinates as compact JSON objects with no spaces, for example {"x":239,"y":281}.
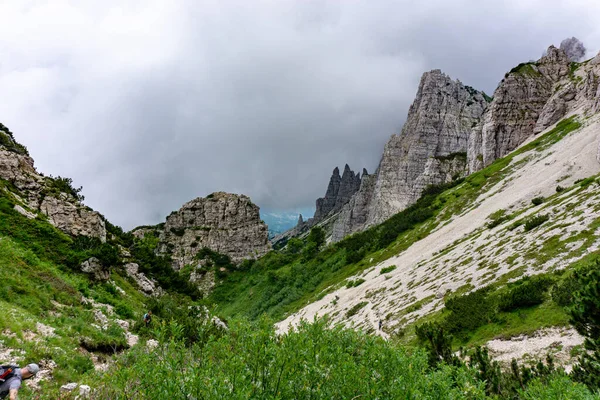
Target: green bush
{"x":525,"y":292}
{"x":536,"y":201}
{"x":356,"y":308}
{"x":59,"y":185}
{"x":387,"y":269}
{"x":497,"y":218}
{"x":535,"y":221}
{"x":585,"y":316}
{"x":8,"y":141}
{"x":559,"y":189}
{"x":313,"y":362}
{"x":354,"y":283}
{"x":470,"y":311}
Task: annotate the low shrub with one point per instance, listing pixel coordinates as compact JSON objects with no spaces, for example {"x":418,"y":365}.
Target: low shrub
{"x":535,"y":221}
{"x":356,"y":308}
{"x":354,"y":283}
{"x":497,"y":218}
{"x":525,"y":292}
{"x":536,"y":201}
{"x":470,"y":311}
{"x":387,"y":269}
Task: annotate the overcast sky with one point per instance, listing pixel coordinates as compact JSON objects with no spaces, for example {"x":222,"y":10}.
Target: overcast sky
{"x":149,"y":104}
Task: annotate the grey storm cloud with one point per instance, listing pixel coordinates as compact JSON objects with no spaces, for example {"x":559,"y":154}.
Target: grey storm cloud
{"x":149,"y":104}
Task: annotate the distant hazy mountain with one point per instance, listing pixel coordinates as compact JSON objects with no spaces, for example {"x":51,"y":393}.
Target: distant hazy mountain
{"x":281,"y":220}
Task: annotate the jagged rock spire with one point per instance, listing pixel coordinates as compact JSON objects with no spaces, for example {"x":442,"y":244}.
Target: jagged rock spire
{"x":339,"y":192}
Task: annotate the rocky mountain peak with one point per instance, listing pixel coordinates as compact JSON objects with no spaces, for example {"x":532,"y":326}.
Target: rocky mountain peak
{"x":339,"y":192}
{"x":432,"y":146}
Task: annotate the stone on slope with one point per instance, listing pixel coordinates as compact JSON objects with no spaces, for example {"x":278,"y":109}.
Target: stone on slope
{"x":94,"y":268}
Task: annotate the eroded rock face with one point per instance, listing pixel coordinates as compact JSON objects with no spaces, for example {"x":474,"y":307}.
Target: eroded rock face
{"x":353,"y":216}
{"x":93,"y":267}
{"x":227,"y":223}
{"x":520,"y":108}
{"x":73,"y":218}
{"x":432,"y":146}
{"x":19,"y":170}
{"x":63,"y":210}
{"x":147,"y":286}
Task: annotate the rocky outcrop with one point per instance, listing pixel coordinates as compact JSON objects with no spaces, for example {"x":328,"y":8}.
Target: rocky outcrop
{"x":38,"y":193}
{"x":339,"y":192}
{"x":432,"y":146}
{"x":147,"y":286}
{"x":95,"y":269}
{"x":520,"y":108}
{"x":353,"y":215}
{"x":71,"y":217}
{"x":226,"y":223}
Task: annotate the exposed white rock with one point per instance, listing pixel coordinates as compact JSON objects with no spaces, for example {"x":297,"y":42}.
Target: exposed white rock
{"x":557,"y":342}
{"x":227,"y":223}
{"x":24,"y":212}
{"x":45,"y":330}
{"x":132,"y":339}
{"x":146,"y":285}
{"x":73,"y":218}
{"x":69,"y":387}
{"x":84,"y":392}
{"x":63,"y":210}
{"x":93,"y":267}
{"x":463,"y":251}
{"x":100,"y":317}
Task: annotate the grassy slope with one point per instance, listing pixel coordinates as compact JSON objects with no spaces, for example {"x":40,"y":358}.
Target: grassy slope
{"x":37,"y":285}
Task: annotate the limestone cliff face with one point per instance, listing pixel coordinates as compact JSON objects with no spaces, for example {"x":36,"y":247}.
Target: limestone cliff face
{"x":340,"y":190}
{"x":227,"y":223}
{"x":453,"y":130}
{"x":37,"y":193}
{"x":432,"y":146}
{"x":523,"y":104}
{"x":353,"y":216}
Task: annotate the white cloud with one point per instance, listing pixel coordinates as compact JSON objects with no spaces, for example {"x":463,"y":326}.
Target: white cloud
{"x":148,"y":104}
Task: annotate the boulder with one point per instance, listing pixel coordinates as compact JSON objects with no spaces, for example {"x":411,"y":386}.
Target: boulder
{"x":146,"y":285}
{"x":69,"y":387}
{"x":93,"y":267}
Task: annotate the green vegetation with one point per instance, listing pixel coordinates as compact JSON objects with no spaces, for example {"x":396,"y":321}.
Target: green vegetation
{"x":387,"y":269}
{"x":585,"y":314}
{"x":526,"y":69}
{"x":356,"y":308}
{"x":462,"y":156}
{"x":283,"y":281}
{"x":498,"y":218}
{"x":535,"y":221}
{"x":354,"y":283}
{"x":251,"y":361}
{"x":57,"y":185}
{"x":8,"y":141}
{"x":536,"y":201}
